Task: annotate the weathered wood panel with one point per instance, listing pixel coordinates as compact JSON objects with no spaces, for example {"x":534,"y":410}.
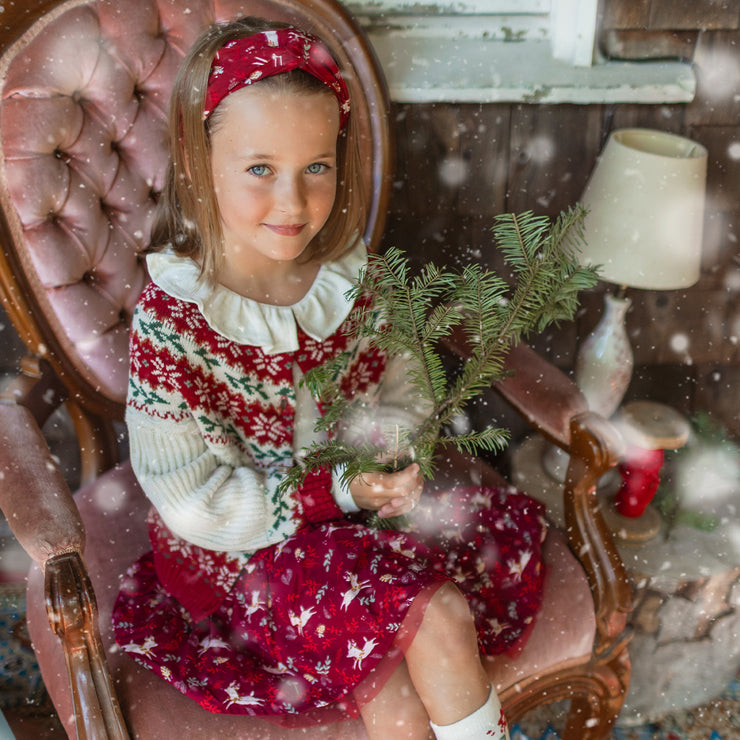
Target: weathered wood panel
{"x":638,"y":44}
{"x":453,"y":157}
{"x":679,"y":326}
{"x":672,"y":384}
{"x":482,"y":159}
{"x":717,"y":392}
{"x":706,"y":14}
{"x":723,"y":163}
{"x":717,"y":65}
{"x":662,"y":117}
{"x":625,"y":13}
{"x":553,"y":149}
{"x":422,"y":144}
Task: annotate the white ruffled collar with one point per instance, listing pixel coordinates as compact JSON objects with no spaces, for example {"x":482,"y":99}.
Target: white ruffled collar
{"x":273,"y":328}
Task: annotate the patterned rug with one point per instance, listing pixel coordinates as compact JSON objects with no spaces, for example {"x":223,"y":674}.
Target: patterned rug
{"x":716,"y":720}
{"x":21,"y":687}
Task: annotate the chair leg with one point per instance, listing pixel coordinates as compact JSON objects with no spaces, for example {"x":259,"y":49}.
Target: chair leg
{"x":583,"y":721}
{"x":592,"y":713}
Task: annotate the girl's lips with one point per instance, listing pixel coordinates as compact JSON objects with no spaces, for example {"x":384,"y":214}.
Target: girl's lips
{"x":286,"y":229}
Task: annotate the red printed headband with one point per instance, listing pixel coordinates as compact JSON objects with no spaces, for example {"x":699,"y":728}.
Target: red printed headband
{"x":244,"y":61}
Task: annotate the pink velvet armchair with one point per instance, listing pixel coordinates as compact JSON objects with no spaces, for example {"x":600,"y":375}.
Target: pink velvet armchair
{"x":82,"y":124}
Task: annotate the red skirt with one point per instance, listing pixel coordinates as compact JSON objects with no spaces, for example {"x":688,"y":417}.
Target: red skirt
{"x":316,"y":624}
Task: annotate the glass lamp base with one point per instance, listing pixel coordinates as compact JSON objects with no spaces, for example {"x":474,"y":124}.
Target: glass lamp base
{"x":605,"y":360}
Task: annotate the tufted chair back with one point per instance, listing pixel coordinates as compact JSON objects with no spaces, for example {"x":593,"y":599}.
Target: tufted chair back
{"x":85,"y":93}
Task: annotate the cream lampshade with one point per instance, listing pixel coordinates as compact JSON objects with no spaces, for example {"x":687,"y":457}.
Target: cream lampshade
{"x":645,"y":202}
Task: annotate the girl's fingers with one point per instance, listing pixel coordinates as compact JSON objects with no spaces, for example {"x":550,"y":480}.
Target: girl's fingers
{"x":390,"y":510}
{"x":401,"y":504}
{"x":389,"y":493}
{"x":390,"y":479}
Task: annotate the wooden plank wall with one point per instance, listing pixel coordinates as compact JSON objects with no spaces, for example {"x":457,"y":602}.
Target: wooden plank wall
{"x":459,"y":165}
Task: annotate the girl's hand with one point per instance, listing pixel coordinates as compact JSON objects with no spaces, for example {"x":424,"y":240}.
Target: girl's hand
{"x":390,"y":494}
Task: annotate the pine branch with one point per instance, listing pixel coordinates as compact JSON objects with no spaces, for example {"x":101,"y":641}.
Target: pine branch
{"x":411,"y":316}
{"x":490,"y":439}
{"x":350,"y":460}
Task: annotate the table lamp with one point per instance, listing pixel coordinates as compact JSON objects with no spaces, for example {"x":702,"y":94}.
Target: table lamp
{"x":645,"y":203}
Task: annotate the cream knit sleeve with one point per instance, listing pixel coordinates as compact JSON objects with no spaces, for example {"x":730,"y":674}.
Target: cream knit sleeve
{"x":199,"y":476}
{"x":201,"y":499}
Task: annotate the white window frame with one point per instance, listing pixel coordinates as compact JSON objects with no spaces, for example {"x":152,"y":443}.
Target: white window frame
{"x":508,"y":51}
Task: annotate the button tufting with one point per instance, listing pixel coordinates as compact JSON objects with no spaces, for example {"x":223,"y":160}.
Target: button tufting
{"x":62,"y":155}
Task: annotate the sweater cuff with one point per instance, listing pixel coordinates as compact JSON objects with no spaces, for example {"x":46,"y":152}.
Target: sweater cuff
{"x":341,"y":492}
{"x":315,"y":494}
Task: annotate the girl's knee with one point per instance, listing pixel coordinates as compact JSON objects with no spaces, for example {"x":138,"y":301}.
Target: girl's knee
{"x":449,"y":613}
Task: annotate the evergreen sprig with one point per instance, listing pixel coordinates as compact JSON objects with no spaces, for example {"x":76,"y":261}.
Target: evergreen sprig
{"x":412,"y":314}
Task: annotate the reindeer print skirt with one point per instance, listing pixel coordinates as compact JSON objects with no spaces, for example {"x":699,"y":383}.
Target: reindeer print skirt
{"x":316,"y":624}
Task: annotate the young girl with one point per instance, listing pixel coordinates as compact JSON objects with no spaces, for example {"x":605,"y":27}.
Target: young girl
{"x":252,"y":601}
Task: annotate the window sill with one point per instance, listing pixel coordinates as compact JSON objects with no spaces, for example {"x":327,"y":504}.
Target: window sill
{"x":470,"y":70}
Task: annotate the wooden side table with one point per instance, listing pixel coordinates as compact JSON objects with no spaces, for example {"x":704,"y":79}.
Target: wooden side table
{"x":645,"y":426}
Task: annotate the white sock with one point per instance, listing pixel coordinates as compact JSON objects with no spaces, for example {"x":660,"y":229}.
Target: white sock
{"x":485,"y":723}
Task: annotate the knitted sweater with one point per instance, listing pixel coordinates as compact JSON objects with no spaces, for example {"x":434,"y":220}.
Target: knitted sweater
{"x":214,"y":408}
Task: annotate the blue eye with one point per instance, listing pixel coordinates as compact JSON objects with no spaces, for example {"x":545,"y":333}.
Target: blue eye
{"x":316,"y":168}
{"x":258,"y":170}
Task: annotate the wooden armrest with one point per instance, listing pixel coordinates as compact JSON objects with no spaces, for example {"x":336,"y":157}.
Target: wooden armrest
{"x":596,"y":447}
{"x":34,"y":496}
{"x":42,"y":513}
{"x":37,"y":388}
{"x":72,"y":610}
{"x":555,"y":406}
{"x":40,"y":390}
{"x":544,"y":395}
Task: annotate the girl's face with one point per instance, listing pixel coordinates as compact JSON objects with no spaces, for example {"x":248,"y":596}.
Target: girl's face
{"x":273,"y":160}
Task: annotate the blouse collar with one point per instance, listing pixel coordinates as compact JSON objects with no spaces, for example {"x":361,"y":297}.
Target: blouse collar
{"x":245,"y":321}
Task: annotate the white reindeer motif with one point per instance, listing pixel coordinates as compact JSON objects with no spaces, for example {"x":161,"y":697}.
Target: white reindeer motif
{"x":480,"y":500}
{"x":234,"y":698}
{"x":516,"y":567}
{"x":498,"y":627}
{"x":300,"y":620}
{"x":211,"y":642}
{"x":359,"y":654}
{"x":278,"y":670}
{"x":355,"y":586}
{"x":255,"y":604}
{"x":144,"y":648}
{"x":396,"y":546}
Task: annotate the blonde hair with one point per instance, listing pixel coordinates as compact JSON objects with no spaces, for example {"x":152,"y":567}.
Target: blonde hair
{"x":187,"y":219}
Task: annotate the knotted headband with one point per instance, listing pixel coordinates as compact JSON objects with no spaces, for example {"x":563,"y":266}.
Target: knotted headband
{"x":244,"y":61}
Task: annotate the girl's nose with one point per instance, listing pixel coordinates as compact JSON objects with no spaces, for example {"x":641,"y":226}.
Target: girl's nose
{"x":291,"y":194}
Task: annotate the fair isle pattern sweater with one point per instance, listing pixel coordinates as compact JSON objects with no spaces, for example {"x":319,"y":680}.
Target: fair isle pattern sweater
{"x":219,"y":416}
{"x":211,"y":424}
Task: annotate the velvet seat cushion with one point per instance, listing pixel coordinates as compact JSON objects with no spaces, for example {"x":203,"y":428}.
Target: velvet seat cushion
{"x":113,"y":509}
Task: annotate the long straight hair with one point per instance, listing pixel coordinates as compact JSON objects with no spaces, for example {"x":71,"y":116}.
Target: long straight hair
{"x":187,"y":219}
